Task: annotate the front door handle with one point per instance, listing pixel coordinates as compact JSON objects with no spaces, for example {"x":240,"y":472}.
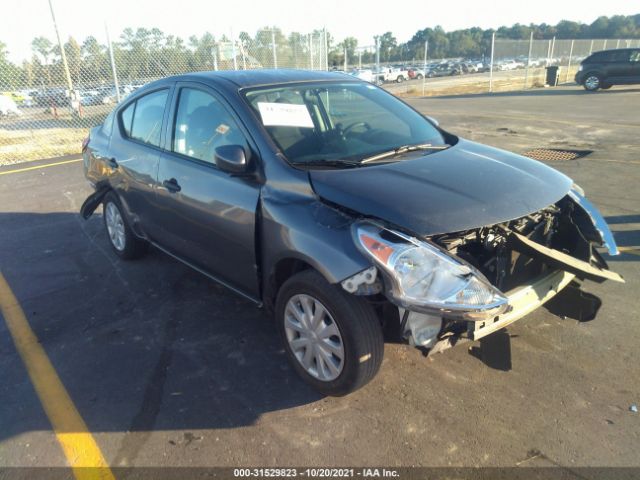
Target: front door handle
{"x":172,"y":185}
{"x":112,"y":163}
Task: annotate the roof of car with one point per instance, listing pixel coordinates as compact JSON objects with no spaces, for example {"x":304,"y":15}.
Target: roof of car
{"x":615,"y":50}
{"x":251,"y":78}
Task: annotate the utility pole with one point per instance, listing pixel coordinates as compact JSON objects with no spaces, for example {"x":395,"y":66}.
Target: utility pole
{"x":566,"y":78}
{"x":62,"y":52}
{"x":493,"y":44}
{"x":113,"y":64}
{"x":326,"y":49}
{"x":377,"y":73}
{"x":526,"y":73}
{"x":273,"y":46}
{"x":424,"y":73}
{"x":233,"y":51}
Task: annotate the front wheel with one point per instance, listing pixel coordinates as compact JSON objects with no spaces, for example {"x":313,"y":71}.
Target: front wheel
{"x":400,"y":79}
{"x":333,"y":339}
{"x":592,"y":83}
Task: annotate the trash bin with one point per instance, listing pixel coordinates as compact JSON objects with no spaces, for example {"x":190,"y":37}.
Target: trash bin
{"x":552,"y":76}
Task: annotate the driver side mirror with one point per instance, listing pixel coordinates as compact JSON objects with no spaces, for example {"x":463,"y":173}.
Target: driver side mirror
{"x":432,"y":120}
{"x":231,"y":159}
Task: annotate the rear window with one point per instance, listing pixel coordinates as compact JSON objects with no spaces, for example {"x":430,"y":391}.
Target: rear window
{"x":142,"y":120}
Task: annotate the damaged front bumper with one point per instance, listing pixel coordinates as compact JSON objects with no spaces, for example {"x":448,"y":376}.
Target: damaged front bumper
{"x":522,"y":301}
{"x":527,"y":262}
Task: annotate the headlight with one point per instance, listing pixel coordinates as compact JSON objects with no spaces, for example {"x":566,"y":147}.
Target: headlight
{"x":424,"y":278}
{"x":580,"y":68}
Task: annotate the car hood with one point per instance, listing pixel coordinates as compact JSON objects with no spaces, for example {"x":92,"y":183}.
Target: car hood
{"x":466,"y":186}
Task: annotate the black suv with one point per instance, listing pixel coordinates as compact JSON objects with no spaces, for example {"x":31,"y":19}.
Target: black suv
{"x":609,"y":67}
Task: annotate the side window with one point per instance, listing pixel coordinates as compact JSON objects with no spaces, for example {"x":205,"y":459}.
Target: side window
{"x":618,"y":56}
{"x":202,"y":124}
{"x":147,"y":118}
{"x":127,"y":117}
{"x":635,"y":56}
{"x":107,"y":126}
{"x":597,"y":57}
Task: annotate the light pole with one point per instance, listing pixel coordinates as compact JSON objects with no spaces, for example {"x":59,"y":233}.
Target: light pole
{"x":62,"y":52}
{"x":113,"y":64}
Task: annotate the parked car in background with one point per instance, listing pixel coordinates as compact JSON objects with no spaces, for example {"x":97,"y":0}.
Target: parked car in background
{"x":416,"y":73}
{"x":364,"y":74}
{"x":609,"y":67}
{"x":391,"y":74}
{"x":471,"y":67}
{"x":51,"y":98}
{"x":8,"y":106}
{"x":109,"y":96}
{"x":91,"y":97}
{"x":444,"y":70}
{"x":341,"y":210}
{"x":21,"y":98}
{"x":509,"y":65}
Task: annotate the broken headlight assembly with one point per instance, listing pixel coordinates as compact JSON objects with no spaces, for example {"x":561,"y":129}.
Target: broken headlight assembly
{"x":424,"y":278}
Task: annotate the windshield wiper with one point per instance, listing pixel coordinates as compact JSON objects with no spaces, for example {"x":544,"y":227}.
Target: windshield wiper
{"x":327,"y":163}
{"x":401,"y":150}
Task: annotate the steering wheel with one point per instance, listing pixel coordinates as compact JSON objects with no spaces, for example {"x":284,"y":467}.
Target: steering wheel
{"x":346,"y":130}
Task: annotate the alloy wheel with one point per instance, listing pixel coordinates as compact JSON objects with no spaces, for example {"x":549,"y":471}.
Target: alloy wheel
{"x":115,"y":226}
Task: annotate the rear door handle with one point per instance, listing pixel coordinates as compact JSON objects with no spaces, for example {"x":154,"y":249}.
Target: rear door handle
{"x":172,"y":185}
{"x":112,"y":163}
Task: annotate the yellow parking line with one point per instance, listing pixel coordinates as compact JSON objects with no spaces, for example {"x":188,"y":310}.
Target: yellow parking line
{"x":631,"y":250}
{"x":79,"y":446}
{"x":26,"y":169}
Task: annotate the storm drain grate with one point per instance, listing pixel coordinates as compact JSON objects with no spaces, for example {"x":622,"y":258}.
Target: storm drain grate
{"x":556,"y":154}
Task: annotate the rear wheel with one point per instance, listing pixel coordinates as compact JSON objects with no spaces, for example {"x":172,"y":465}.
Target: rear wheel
{"x":333,"y":339}
{"x":592,"y":82}
{"x":122,"y":239}
{"x":400,"y":79}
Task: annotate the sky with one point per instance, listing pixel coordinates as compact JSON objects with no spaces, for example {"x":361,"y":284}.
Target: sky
{"x":26,"y":19}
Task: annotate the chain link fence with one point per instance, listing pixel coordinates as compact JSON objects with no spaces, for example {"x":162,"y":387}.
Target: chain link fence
{"x":521,"y":64}
{"x":48,"y":103}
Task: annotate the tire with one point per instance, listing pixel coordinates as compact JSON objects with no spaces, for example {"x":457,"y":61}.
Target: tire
{"x":351,"y":330}
{"x":419,"y":76}
{"x":592,"y":82}
{"x":121,"y":238}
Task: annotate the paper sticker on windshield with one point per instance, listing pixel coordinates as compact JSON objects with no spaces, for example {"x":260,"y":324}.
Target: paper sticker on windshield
{"x":222,"y":129}
{"x":285,"y":115}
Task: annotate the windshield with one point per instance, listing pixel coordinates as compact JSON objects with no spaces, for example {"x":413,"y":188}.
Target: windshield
{"x":336,"y":122}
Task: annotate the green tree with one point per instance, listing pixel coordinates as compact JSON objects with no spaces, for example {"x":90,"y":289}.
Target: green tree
{"x":74,"y":59}
{"x":388,"y":44}
{"x":43,"y":47}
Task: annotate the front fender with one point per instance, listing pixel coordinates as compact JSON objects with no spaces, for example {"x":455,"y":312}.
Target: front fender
{"x":312,"y":232}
